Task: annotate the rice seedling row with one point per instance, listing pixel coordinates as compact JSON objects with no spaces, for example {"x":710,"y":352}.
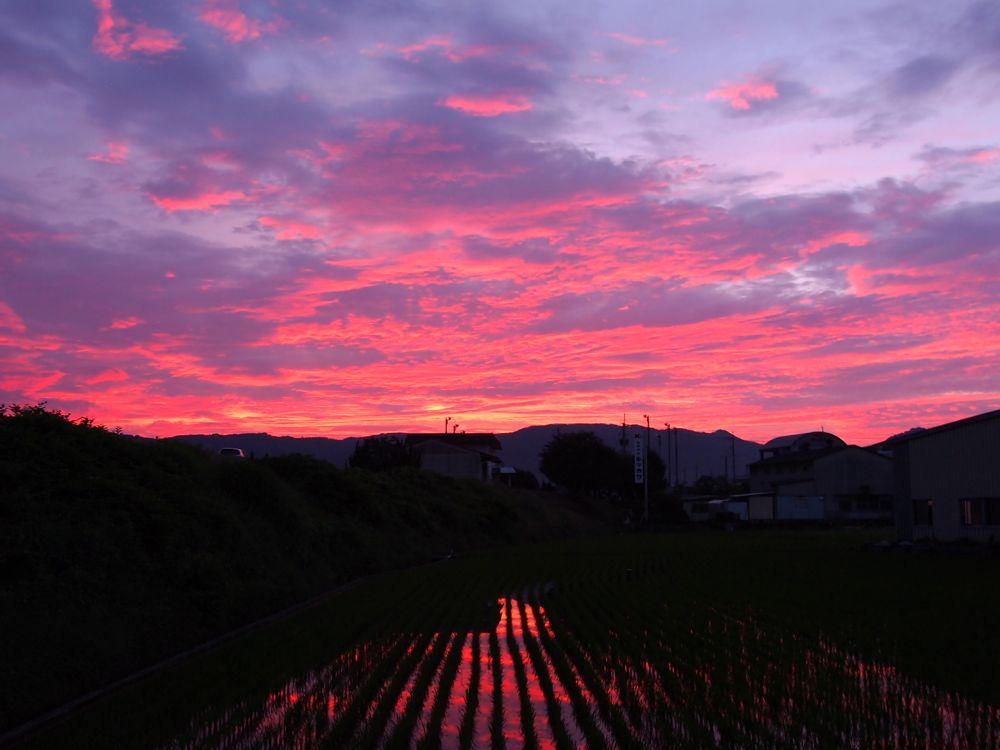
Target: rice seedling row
{"x":471,"y":707}
{"x":520,"y":676}
{"x":554,"y":708}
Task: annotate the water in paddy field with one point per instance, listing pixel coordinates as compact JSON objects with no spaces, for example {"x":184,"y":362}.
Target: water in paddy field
{"x":555,"y":675}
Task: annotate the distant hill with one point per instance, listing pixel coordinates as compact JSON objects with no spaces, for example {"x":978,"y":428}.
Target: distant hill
{"x":698,"y":453}
{"x":261,"y":445}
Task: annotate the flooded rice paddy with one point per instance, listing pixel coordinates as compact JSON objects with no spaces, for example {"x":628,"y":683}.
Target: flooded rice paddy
{"x":598,"y":666}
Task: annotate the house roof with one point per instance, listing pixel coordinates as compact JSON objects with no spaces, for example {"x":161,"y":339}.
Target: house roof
{"x":473,"y":440}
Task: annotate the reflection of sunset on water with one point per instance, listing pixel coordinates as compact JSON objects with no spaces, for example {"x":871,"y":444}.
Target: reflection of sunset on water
{"x":729,"y":681}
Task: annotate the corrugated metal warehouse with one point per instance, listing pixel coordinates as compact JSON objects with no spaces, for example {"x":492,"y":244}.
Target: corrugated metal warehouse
{"x":948,"y":480}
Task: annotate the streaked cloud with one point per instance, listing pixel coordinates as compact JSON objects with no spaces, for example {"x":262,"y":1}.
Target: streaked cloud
{"x":229,"y":215}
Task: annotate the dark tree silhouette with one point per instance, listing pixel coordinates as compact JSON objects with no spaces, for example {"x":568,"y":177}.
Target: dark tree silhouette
{"x":582,"y":462}
{"x":380,"y":453}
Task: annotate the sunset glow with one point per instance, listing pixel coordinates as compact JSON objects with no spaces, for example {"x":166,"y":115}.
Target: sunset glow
{"x":307,"y":219}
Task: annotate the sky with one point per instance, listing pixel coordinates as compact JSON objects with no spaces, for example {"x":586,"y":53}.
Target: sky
{"x":346,"y":218}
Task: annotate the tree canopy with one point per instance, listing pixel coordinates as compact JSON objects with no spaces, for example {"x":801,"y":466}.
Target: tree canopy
{"x":582,"y":462}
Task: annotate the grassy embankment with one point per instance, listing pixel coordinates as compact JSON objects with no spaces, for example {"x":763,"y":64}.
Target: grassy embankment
{"x":116,"y":553}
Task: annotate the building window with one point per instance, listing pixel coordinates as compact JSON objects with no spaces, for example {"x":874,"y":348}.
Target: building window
{"x":868,"y":502}
{"x":980,"y":511}
{"x":923,"y":512}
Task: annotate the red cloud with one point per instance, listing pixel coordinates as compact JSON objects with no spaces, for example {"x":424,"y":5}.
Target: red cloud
{"x":745,"y":94}
{"x":202,"y":202}
{"x":118,"y":38}
{"x":487,"y":105}
{"x":226,"y":16}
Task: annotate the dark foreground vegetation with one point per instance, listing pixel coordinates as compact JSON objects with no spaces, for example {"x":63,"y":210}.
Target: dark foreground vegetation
{"x":768,"y":639}
{"x":116,"y":553}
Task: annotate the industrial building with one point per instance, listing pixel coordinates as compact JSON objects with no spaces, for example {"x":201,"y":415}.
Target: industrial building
{"x":948,"y":480}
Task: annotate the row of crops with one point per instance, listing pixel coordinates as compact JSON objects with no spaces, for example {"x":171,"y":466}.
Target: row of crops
{"x":601,"y":661}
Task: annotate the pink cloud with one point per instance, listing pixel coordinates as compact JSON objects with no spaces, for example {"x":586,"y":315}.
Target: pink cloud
{"x":601,"y":80}
{"x":443,"y":45}
{"x":123,"y":323}
{"x":985,"y":155}
{"x":487,"y":105}
{"x":118,"y":38}
{"x":116,"y":153}
{"x":236,"y":26}
{"x":220,"y":160}
{"x":115,"y":375}
{"x":438,"y":42}
{"x":745,"y":94}
{"x":10,"y":319}
{"x":288,"y":229}
{"x":201,"y":202}
{"x":636,"y":41}
{"x":849,"y":238}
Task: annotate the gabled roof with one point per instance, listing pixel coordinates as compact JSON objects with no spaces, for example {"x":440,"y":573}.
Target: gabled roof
{"x":472,"y":440}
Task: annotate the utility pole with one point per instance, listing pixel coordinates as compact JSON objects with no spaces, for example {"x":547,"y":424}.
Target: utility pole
{"x":733,"y":453}
{"x":645,"y":477}
{"x":446,"y":421}
{"x":670,"y":473}
{"x":677,"y":461}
